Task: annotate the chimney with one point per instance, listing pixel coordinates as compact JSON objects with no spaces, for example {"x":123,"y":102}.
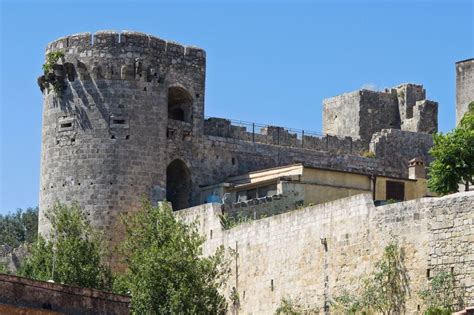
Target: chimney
{"x":416,"y":168}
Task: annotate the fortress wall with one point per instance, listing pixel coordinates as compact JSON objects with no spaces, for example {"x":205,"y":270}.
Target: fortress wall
{"x":464,"y":87}
{"x":214,"y":159}
{"x":274,"y":135}
{"x":283,"y":255}
{"x":395,"y":147}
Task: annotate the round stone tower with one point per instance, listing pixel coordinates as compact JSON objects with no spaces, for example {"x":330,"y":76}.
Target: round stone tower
{"x":104,"y":136}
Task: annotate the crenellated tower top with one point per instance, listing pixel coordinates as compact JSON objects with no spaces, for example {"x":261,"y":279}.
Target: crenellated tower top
{"x":123,"y":42}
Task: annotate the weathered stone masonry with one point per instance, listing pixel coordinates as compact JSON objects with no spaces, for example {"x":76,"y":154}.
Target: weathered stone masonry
{"x":130,"y":124}
{"x":464,"y":86}
{"x":284,"y":255}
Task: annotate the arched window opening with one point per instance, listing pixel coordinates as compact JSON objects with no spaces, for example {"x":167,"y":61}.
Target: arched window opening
{"x":179,"y":104}
{"x":178,"y":185}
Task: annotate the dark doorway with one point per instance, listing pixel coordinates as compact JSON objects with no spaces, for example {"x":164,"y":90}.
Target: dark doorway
{"x":180,"y":104}
{"x":178,"y":185}
{"x":395,"y":190}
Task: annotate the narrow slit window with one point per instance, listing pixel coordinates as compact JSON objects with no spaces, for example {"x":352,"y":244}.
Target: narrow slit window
{"x":66,"y":125}
{"x":118,"y":121}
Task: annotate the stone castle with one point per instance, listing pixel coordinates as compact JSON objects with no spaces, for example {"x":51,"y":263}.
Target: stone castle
{"x":130,"y":124}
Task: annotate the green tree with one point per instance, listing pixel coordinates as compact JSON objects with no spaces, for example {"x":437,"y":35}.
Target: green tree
{"x":383,"y":291}
{"x":165,"y":270}
{"x":453,"y":155}
{"x":19,"y":227}
{"x":439,"y":296}
{"x":386,"y":287}
{"x":74,"y":254}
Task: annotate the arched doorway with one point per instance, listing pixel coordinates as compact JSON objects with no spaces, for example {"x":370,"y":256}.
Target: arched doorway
{"x":180,"y":104}
{"x":178,"y":185}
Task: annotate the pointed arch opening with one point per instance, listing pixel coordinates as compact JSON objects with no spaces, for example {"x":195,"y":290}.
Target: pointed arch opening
{"x":178,"y":185}
{"x":180,"y":104}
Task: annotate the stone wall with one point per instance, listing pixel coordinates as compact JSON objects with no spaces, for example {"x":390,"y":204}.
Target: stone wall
{"x":104,"y":140}
{"x":25,"y":296}
{"x":219,"y":127}
{"x":378,"y":110}
{"x":464,"y":86}
{"x":394,"y":146}
{"x":425,"y":118}
{"x":341,"y":115}
{"x":219,"y":158}
{"x":362,"y":113}
{"x":285,"y":255}
{"x":12,"y":258}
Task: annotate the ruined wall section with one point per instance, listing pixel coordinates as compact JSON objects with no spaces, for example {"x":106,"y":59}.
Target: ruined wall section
{"x":104,"y":140}
{"x":425,"y":118}
{"x":317,"y":252}
{"x":464,"y":87}
{"x":393,"y":147}
{"x":362,"y":113}
{"x":407,"y":96}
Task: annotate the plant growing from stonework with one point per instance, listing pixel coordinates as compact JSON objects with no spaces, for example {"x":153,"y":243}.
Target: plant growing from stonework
{"x":368,"y":154}
{"x":74,"y":254}
{"x":453,"y":155}
{"x":439,"y":295}
{"x":347,"y":303}
{"x":165,"y":270}
{"x":294,"y":306}
{"x":228,"y":222}
{"x":383,"y":291}
{"x":49,"y":78}
{"x":3,"y":268}
{"x":387,"y":286}
{"x":235,"y":299}
{"x":51,"y":59}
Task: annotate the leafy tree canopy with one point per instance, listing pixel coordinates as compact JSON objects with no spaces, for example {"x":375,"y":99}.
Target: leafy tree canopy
{"x":165,"y":270}
{"x":19,"y":227}
{"x":453,"y":155}
{"x":74,"y":253}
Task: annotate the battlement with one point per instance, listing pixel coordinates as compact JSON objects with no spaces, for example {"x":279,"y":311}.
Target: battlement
{"x":125,"y":41}
{"x":282,"y":136}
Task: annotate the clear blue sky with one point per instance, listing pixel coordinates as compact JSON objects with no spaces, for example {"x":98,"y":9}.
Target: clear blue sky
{"x":268,"y":61}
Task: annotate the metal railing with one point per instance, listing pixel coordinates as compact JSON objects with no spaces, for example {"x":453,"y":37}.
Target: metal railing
{"x":276,"y":135}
